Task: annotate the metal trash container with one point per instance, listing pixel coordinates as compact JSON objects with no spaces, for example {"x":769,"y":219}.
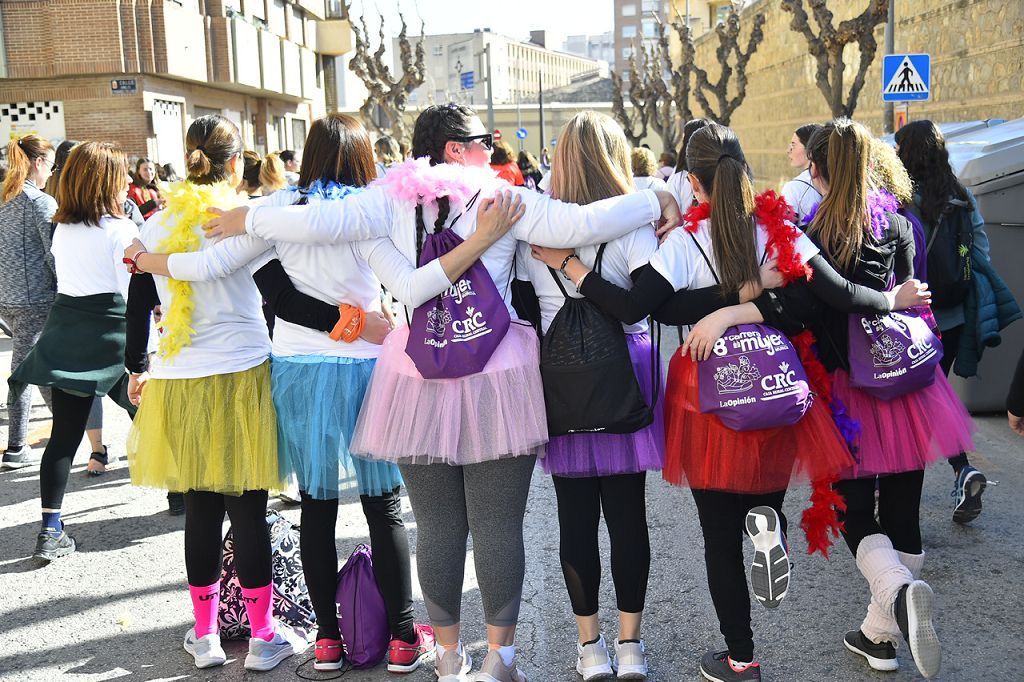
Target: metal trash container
{"x":950,"y":130}
{"x":990,"y":162}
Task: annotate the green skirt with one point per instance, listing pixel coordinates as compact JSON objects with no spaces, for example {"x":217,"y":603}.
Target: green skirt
{"x":80,"y":351}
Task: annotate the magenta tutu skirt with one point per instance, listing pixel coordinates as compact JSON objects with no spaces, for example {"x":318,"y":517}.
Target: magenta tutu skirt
{"x":607,"y":454}
{"x":907,"y":433}
{"x":496,"y":413}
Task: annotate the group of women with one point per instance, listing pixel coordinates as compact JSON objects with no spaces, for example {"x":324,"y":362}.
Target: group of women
{"x":226,"y":415}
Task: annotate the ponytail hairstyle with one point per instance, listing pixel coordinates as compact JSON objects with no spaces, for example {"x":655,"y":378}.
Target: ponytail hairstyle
{"x":251,"y":172}
{"x":691,"y":126}
{"x":840,"y":153}
{"x":210,"y":143}
{"x":922,"y":149}
{"x":60,"y":159}
{"x":20,"y":155}
{"x":591,"y":160}
{"x":437,"y":125}
{"x":95,"y":173}
{"x":644,"y":163}
{"x":338,"y":150}
{"x":715,"y":157}
{"x":272,"y":174}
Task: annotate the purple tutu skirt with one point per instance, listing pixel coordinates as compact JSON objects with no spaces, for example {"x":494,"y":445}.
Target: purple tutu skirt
{"x":907,"y":433}
{"x":496,"y":413}
{"x":607,"y":454}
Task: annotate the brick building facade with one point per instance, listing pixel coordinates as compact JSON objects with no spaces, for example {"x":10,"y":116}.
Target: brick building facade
{"x":136,"y":72}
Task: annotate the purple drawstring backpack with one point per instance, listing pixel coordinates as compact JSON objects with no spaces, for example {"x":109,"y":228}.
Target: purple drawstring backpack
{"x":456,"y":333}
{"x":754,"y":378}
{"x":892,"y":354}
{"x":362,"y":615}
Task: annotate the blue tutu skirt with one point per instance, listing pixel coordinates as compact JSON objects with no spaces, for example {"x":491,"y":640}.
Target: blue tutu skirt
{"x":317,"y":399}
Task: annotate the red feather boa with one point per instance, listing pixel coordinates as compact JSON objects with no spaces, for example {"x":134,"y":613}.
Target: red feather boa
{"x":820,"y":521}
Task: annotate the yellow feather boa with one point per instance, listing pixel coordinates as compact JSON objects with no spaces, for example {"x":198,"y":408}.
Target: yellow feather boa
{"x":186,"y":210}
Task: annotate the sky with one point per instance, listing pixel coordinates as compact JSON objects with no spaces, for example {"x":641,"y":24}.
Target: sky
{"x":516,"y":18}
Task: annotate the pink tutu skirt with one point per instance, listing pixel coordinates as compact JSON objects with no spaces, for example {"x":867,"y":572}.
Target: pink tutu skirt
{"x":496,"y":413}
{"x":907,"y":433}
{"x":607,"y":454}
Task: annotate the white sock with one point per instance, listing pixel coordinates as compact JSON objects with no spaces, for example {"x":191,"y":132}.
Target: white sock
{"x":508,"y":654}
{"x":739,"y":664}
{"x":440,"y":650}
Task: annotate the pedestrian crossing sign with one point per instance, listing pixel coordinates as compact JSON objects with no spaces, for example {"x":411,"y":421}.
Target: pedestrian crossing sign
{"x":906,"y":77}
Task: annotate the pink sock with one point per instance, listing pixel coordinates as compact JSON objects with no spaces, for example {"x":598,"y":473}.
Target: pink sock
{"x":259,"y":606}
{"x":205,"y":601}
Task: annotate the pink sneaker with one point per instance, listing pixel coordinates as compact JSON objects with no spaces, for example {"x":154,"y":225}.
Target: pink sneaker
{"x":404,"y":657}
{"x":329,"y":654}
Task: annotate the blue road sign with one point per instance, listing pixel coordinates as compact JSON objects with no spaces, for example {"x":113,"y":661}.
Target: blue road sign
{"x":466,"y":79}
{"x":906,"y":77}
{"x":521,"y":133}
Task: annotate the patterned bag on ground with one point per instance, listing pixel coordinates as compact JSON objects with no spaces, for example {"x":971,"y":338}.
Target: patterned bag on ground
{"x":754,"y":380}
{"x":892,"y":354}
{"x":291,"y":598}
{"x":361,"y":612}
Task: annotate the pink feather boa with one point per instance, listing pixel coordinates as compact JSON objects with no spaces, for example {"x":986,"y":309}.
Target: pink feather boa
{"x":417,"y":182}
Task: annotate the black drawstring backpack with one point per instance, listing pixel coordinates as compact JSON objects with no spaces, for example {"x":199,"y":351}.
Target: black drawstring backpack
{"x":589,"y":382}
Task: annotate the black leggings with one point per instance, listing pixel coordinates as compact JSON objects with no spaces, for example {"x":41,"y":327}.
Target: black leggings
{"x":580,"y":502}
{"x":204,"y":518}
{"x":950,"y":345}
{"x":722,"y":517}
{"x":70,"y":413}
{"x":899,"y":507}
{"x":391,"y":563}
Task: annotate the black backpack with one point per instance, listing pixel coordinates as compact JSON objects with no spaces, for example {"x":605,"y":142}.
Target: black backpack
{"x":589,"y":382}
{"x":949,"y":255}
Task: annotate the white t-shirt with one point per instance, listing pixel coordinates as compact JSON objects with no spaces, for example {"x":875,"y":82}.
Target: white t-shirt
{"x":343,"y":272}
{"x":621,"y":257}
{"x":230,"y":330}
{"x":679,"y":185}
{"x":649,"y":182}
{"x":801,"y":195}
{"x":680,"y":262}
{"x":376,"y":213}
{"x":88,"y":257}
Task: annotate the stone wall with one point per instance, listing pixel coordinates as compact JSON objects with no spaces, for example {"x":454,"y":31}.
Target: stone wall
{"x":977,"y":49}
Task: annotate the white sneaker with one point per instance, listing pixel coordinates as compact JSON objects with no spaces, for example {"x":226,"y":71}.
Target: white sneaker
{"x":631,"y":660}
{"x":206,"y":649}
{"x":452,"y":666}
{"x":592,"y":661}
{"x":264,"y":655}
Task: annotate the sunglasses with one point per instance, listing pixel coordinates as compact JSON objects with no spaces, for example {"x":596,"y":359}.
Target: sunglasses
{"x":486,"y":140}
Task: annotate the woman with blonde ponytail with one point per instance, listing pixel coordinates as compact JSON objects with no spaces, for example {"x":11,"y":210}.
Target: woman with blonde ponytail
{"x":27,"y":279}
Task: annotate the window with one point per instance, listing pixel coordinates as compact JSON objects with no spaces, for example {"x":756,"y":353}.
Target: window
{"x":650,"y":28}
{"x":438,"y":51}
{"x":629,"y":31}
{"x":629,"y":10}
{"x":627,"y":52}
{"x":652,"y":6}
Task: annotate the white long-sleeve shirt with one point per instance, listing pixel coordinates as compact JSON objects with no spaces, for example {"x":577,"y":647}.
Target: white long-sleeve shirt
{"x":375,"y":213}
{"x":342,"y":272}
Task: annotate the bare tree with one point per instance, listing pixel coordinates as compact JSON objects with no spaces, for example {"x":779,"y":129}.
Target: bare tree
{"x":663,"y":106}
{"x":386,"y":94}
{"x":681,"y":73}
{"x":728,"y":45}
{"x":634,"y":123}
{"x":827,"y":47}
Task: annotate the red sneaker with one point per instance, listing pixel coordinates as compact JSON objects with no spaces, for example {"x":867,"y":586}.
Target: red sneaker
{"x":404,"y":657}
{"x":329,"y":655}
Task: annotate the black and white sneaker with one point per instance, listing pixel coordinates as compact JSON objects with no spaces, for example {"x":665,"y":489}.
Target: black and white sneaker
{"x":719,"y":667}
{"x":16,"y":458}
{"x":970,"y":485}
{"x":51,"y":545}
{"x":879,"y":656}
{"x":769,"y":571}
{"x":914,"y":608}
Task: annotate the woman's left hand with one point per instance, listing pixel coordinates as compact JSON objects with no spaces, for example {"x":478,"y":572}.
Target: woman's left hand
{"x":553,"y":258}
{"x":132,"y":250}
{"x":705,"y":334}
{"x":227,"y":223}
{"x":136,"y":382}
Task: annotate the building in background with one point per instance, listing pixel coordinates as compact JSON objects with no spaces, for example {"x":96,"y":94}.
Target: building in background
{"x":456,"y":68}
{"x":137,"y":74}
{"x":600,"y":47}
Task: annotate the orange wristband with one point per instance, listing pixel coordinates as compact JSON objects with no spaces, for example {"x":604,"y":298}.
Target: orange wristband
{"x":350,"y":324}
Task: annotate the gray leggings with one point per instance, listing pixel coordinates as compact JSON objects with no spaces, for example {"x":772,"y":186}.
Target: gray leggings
{"x":26,"y":324}
{"x":450,"y":502}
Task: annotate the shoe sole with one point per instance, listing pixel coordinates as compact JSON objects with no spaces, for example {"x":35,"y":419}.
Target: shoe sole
{"x":404,"y":669}
{"x":594,"y":672}
{"x":265,"y":664}
{"x":15,"y":465}
{"x":461,"y":676}
{"x":631,"y":674}
{"x":203,"y":662}
{"x":328,"y":667}
{"x":769,"y":571}
{"x":708,"y":676}
{"x":922,"y":638}
{"x":883,"y":664}
{"x":487,"y":677}
{"x":970,"y":508}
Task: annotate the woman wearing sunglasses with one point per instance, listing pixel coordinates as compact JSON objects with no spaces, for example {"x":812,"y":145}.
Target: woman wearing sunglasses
{"x":468,"y":451}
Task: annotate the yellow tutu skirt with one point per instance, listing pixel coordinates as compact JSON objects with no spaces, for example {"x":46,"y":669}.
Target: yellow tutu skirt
{"x":216,"y":433}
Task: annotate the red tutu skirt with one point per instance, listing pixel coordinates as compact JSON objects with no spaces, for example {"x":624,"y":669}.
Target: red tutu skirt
{"x":703,"y":453}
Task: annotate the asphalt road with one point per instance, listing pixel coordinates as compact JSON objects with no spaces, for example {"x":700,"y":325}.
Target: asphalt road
{"x":117,"y":609}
